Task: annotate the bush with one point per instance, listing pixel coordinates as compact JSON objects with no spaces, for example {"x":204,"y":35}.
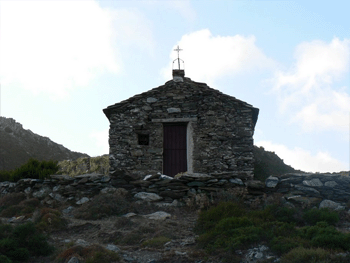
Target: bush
{"x":227,"y":227}
{"x":209,"y":218}
{"x":4,"y":259}
{"x":323,"y":235}
{"x":50,"y":220}
{"x":21,"y":242}
{"x":32,"y":169}
{"x":306,"y":255}
{"x":157,"y":242}
{"x":101,"y":206}
{"x":315,"y":215}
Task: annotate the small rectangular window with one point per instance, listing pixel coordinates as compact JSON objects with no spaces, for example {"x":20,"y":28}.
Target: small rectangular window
{"x":143,"y":139}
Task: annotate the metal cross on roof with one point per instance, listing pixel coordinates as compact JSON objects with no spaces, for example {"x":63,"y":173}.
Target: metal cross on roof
{"x":178,"y":55}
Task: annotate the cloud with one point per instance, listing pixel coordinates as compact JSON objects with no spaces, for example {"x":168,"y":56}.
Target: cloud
{"x":308,"y":91}
{"x":209,"y":57}
{"x":56,"y":46}
{"x":52,"y":46}
{"x":303,"y":160}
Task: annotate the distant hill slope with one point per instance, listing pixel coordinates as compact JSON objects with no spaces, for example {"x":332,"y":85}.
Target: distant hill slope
{"x":18,"y":145}
{"x":268,"y":163}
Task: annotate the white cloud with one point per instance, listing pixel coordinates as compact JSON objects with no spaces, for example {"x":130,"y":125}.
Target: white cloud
{"x":56,"y":46}
{"x":100,"y":142}
{"x":308,"y":93}
{"x":209,"y":57}
{"x":53,"y":46}
{"x":303,"y":160}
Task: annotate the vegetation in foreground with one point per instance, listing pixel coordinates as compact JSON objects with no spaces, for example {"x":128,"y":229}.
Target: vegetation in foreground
{"x":18,"y":244}
{"x":32,"y":169}
{"x":296,"y":236}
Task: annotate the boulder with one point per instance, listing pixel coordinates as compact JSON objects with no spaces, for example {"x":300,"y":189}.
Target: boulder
{"x":150,"y":197}
{"x":331,"y":205}
{"x":160,"y":215}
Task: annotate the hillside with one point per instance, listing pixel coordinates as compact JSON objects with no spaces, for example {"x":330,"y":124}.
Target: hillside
{"x":18,"y":145}
{"x":268,"y":163}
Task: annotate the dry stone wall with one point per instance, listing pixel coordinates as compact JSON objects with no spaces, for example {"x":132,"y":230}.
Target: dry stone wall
{"x":299,"y":190}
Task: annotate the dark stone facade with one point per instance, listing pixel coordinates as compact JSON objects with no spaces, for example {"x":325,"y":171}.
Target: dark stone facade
{"x":219,"y":127}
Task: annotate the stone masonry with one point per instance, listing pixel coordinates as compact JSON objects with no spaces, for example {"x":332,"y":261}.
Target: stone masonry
{"x":220,"y":130}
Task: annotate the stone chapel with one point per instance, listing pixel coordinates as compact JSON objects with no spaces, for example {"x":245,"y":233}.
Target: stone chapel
{"x":182,"y":126}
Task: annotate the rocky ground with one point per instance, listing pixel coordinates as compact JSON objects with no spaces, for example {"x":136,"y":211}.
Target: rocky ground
{"x":171,"y":227}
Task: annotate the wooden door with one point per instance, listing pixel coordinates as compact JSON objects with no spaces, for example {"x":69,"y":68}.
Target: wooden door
{"x":175,"y":150}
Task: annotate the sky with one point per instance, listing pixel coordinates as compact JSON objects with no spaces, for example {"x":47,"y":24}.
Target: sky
{"x":62,"y":62}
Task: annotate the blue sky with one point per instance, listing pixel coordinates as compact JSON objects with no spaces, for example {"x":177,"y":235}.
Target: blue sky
{"x":62,"y":62}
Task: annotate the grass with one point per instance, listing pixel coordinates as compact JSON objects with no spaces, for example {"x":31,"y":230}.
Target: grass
{"x":230,"y":226}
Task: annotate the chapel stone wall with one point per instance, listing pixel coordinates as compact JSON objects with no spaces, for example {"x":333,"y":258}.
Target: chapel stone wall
{"x":220,"y":137}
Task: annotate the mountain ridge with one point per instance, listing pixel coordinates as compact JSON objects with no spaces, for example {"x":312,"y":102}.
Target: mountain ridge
{"x":18,"y":145}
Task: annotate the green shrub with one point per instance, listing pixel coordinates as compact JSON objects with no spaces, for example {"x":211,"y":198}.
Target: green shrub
{"x":325,"y":236}
{"x":315,"y":215}
{"x":5,"y":176}
{"x":32,"y":169}
{"x":20,"y":242}
{"x":101,"y":206}
{"x":209,"y":218}
{"x":228,"y":227}
{"x":50,"y":220}
{"x":306,"y":255}
{"x":4,"y":259}
{"x":157,"y":242}
{"x":282,"y":244}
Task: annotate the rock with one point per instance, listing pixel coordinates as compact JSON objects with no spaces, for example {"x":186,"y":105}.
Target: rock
{"x":150,"y":197}
{"x":68,"y":210}
{"x":82,"y":243}
{"x":41,"y":193}
{"x":330,"y":184}
{"x":113,"y":248}
{"x":160,"y":215}
{"x":258,"y":254}
{"x":73,"y":260}
{"x":271,"y":182}
{"x":151,"y":100}
{"x":61,"y":177}
{"x":255,"y":184}
{"x":197,"y":176}
{"x":129,"y":215}
{"x":27,"y":190}
{"x":108,"y":190}
{"x":16,"y":219}
{"x":172,"y":194}
{"x":313,"y":182}
{"x":180,"y":253}
{"x":331,"y":205}
{"x":303,"y":200}
{"x":59,"y":198}
{"x":173,"y":110}
{"x":83,"y":201}
{"x":194,"y":183}
{"x":236,"y":181}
